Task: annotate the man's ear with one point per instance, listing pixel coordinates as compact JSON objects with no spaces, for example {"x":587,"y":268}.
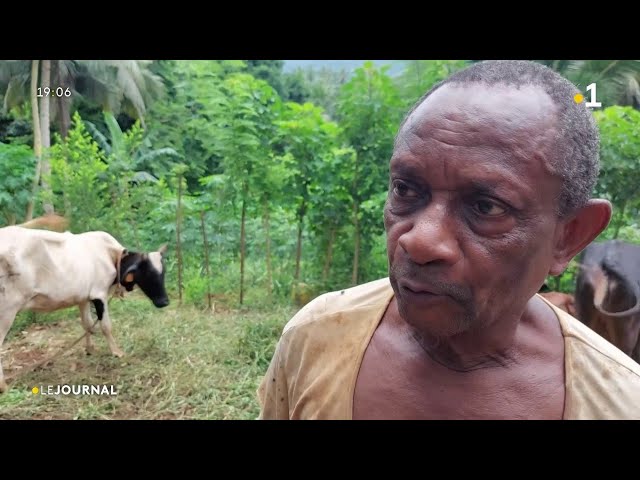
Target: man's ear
{"x":578,"y":231}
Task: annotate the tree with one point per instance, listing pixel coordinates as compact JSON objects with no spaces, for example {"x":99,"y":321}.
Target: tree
{"x":17,"y":163}
{"x":369,"y":108}
{"x":324,"y":87}
{"x":420,"y":75}
{"x":45,"y":120}
{"x":307,"y":136}
{"x":620,"y":164}
{"x":243,"y":127}
{"x":270,"y":71}
{"x":185,"y":121}
{"x":37,"y":138}
{"x":331,"y":201}
{"x":115,"y":85}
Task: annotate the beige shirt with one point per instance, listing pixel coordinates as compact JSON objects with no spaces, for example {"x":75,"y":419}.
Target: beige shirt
{"x":315,"y":366}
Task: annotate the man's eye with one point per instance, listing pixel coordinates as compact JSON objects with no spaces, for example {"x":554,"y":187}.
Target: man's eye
{"x":403,"y":190}
{"x":489,"y":208}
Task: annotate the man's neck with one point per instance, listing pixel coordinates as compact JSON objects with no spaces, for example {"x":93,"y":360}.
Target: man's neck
{"x":494,"y":345}
{"x":453,"y":355}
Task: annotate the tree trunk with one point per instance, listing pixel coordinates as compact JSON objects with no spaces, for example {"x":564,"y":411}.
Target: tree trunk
{"x":299,"y":245}
{"x":64,"y":102}
{"x":245,"y":190}
{"x":130,"y":216}
{"x":37,"y":137}
{"x":45,"y":131}
{"x":178,"y":247}
{"x":620,"y":221}
{"x":356,"y":224}
{"x":298,"y":252}
{"x":356,"y":251}
{"x":206,"y":259}
{"x":328,"y":255}
{"x":67,"y":204}
{"x":268,"y":245}
{"x":327,"y":258}
{"x":64,"y":116}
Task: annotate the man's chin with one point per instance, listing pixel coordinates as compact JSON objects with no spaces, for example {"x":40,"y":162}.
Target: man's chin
{"x":441,"y":321}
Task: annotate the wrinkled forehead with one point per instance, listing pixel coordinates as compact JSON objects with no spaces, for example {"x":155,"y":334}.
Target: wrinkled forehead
{"x":156,"y":260}
{"x":499,"y":114}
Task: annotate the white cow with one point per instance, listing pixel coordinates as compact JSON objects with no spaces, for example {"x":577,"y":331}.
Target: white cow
{"x":43,"y":271}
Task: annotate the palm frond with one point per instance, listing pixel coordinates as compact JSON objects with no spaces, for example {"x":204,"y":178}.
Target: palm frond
{"x":97,"y":135}
{"x":15,"y":95}
{"x":130,"y":90}
{"x":115,"y":132}
{"x":153,"y":86}
{"x":14,"y":68}
{"x":68,"y":69}
{"x":97,"y":90}
{"x":632,"y":90}
{"x":139,"y":177}
{"x":154,"y":154}
{"x":95,"y":68}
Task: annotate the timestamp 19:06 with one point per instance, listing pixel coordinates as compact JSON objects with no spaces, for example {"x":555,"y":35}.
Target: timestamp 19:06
{"x":58,"y":92}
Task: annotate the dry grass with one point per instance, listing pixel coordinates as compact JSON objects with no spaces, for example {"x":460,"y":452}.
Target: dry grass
{"x":180,"y":363}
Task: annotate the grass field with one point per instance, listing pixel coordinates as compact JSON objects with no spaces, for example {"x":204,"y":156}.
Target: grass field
{"x":180,"y":363}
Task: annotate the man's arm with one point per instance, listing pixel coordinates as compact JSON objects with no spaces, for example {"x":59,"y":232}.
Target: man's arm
{"x":273,"y":394}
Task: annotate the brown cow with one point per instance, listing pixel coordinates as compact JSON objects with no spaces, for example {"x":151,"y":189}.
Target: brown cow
{"x":608,"y":293}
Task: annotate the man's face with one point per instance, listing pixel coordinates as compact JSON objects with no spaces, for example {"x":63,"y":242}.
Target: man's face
{"x":470,"y":216}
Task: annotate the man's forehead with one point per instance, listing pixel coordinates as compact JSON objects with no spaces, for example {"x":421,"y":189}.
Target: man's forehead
{"x":487,"y":107}
{"x":500,"y":135}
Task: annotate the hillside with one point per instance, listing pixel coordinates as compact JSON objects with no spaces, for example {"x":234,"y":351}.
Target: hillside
{"x":291,"y":65}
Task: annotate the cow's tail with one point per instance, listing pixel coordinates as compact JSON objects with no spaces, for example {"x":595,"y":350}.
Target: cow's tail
{"x":50,"y":221}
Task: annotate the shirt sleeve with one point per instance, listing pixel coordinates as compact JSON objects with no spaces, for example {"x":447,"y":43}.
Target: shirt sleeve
{"x":273,"y":394}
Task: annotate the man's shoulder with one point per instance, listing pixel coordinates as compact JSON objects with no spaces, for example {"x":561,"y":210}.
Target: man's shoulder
{"x":587,"y":340}
{"x":369,"y":295}
{"x":602,"y":382}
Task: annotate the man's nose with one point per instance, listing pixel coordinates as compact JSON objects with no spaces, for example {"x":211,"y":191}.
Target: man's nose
{"x":432,"y":237}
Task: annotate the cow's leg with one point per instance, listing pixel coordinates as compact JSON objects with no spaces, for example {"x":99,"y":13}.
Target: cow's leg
{"x":85,"y":317}
{"x":7,"y":316}
{"x":106,"y":330}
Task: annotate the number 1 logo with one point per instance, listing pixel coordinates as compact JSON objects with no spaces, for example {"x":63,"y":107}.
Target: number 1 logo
{"x":592,"y":103}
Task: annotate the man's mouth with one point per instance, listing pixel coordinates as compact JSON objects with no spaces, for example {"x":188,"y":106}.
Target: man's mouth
{"x":421,"y":289}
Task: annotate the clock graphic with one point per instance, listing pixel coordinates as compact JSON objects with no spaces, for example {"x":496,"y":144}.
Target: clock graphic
{"x":59,"y":91}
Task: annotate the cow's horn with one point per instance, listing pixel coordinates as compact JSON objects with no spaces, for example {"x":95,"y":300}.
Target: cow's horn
{"x":631,"y":311}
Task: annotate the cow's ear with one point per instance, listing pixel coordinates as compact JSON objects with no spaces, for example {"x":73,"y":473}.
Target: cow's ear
{"x":128,"y":277}
{"x":163,"y":248}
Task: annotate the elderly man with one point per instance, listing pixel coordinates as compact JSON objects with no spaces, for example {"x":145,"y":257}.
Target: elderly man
{"x":489,"y":192}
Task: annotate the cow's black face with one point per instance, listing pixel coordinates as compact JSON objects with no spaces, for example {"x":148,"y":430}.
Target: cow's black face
{"x":150,"y":279}
{"x":147,"y":271}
